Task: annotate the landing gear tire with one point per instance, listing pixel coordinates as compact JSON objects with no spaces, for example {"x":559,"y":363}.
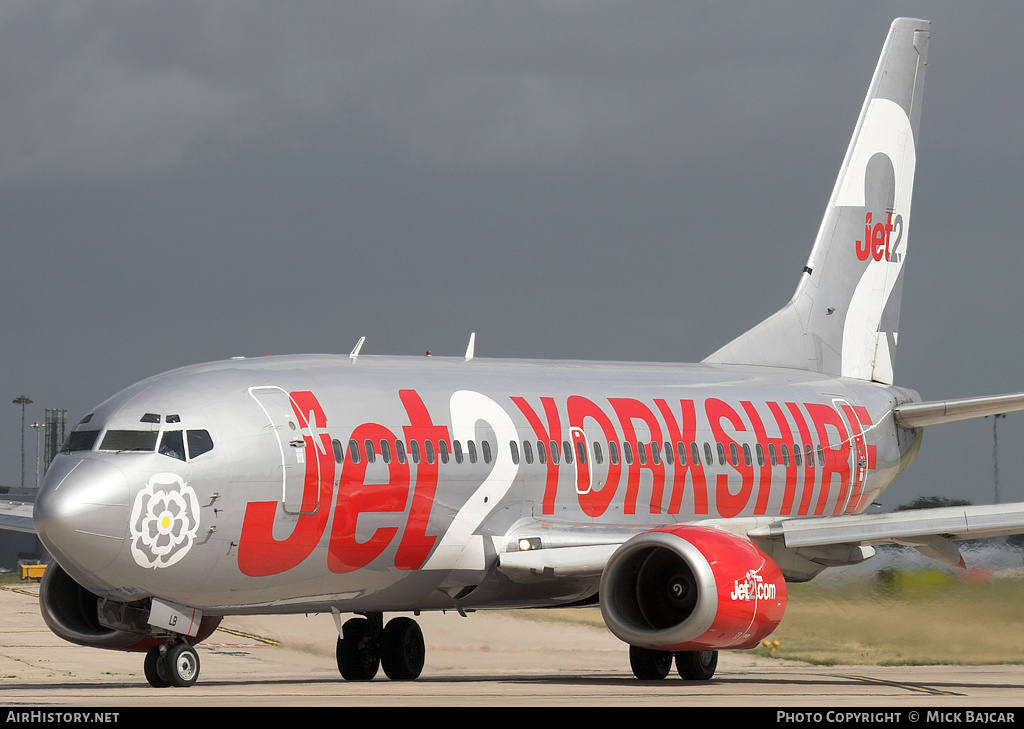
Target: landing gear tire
{"x":402,"y":651}
{"x":155,"y":668}
{"x":649,"y":665}
{"x":696,"y":665}
{"x":357,"y":651}
{"x":182,"y":665}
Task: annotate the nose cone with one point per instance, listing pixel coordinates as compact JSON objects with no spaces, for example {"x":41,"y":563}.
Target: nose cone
{"x":81,"y":513}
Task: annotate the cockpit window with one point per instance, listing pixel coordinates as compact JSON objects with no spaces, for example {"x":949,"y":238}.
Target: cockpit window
{"x":199,"y":442}
{"x":81,"y":440}
{"x":173,"y":444}
{"x":129,"y":440}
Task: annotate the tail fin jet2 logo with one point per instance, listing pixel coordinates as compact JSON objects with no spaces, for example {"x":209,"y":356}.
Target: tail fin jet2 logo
{"x":879,"y":243}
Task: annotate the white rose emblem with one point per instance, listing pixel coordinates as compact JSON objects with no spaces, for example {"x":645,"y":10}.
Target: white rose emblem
{"x":164,"y":522}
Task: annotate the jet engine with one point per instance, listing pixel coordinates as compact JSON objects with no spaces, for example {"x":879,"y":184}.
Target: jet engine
{"x":691,"y":588}
{"x":73,"y":613}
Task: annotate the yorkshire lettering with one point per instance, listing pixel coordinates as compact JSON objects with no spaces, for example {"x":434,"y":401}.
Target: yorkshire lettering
{"x":711,"y":458}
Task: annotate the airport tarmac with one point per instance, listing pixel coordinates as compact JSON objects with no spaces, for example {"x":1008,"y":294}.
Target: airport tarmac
{"x":484,"y":659}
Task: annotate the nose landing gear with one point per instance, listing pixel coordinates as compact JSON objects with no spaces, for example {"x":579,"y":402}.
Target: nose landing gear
{"x":172,"y":665}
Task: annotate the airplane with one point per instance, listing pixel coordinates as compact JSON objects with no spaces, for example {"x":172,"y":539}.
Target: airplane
{"x":679,"y":499}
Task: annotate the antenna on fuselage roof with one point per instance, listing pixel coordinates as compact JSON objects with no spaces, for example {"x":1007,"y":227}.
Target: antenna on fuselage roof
{"x":355,"y":350}
{"x":469,"y":349}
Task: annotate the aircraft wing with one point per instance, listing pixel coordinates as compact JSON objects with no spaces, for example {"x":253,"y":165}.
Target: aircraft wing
{"x":952,"y":522}
{"x":920,"y":414}
{"x":933,"y":532}
{"x":827,"y":541}
{"x":538,"y":551}
{"x":16,"y":516}
{"x":556,"y":563}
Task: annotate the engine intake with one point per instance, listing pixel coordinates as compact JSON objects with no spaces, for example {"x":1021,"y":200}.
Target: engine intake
{"x":689,"y":588}
{"x":72,"y":613}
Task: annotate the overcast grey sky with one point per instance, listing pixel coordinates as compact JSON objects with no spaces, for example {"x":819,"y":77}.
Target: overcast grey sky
{"x":187,"y":181}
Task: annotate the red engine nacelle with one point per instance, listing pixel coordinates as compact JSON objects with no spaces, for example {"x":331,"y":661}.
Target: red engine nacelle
{"x":691,"y":588}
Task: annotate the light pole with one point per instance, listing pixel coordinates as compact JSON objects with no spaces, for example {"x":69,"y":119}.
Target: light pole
{"x":39,"y":431}
{"x":23,"y":401}
{"x":995,"y":455}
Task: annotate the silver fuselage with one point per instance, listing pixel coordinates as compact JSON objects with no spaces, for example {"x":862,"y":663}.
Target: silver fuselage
{"x":291,"y":515}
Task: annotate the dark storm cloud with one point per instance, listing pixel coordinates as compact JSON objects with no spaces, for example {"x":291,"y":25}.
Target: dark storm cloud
{"x":184,"y":181}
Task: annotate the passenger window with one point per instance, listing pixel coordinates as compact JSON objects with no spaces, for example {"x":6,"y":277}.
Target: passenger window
{"x":542,"y":454}
{"x":796,"y":455}
{"x":428,"y":448}
{"x":681,"y":452}
{"x":641,"y":452}
{"x":339,"y":456}
{"x":457,"y":447}
{"x":400,"y":451}
{"x":581,"y":452}
{"x":772,"y":456}
{"x":173,"y":444}
{"x":554,"y":452}
{"x":760,"y":454}
{"x":514,"y":447}
{"x":721,"y":454}
{"x":785,"y":455}
{"x":486,"y":448}
{"x":708,"y":458}
{"x":371,"y":453}
{"x":809,"y":453}
{"x":353,"y":451}
{"x":566,"y":452}
{"x":414,"y":448}
{"x":655,"y":454}
{"x":527,"y":451}
{"x":385,"y":451}
{"x":471,"y":447}
{"x":613,"y":452}
{"x":746,"y":455}
{"x":668,"y":453}
{"x":734,"y":455}
{"x":821,"y":456}
{"x":598,"y":455}
{"x":627,"y":453}
{"x":442,"y":450}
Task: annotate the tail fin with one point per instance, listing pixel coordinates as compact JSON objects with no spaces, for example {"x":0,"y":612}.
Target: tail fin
{"x":843,"y":318}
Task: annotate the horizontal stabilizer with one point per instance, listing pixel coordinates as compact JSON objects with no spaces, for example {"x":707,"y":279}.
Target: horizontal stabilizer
{"x":917,"y":415}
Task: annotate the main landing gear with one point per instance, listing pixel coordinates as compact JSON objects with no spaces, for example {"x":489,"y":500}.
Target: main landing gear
{"x":366,"y":644}
{"x":652,"y":665}
{"x":172,"y":665}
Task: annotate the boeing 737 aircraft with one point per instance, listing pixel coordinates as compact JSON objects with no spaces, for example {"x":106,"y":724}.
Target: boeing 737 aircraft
{"x":680,"y":498}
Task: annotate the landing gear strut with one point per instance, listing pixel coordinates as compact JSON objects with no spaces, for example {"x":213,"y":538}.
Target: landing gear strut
{"x":652,"y":665}
{"x":366,"y":644}
{"x":172,"y":665}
